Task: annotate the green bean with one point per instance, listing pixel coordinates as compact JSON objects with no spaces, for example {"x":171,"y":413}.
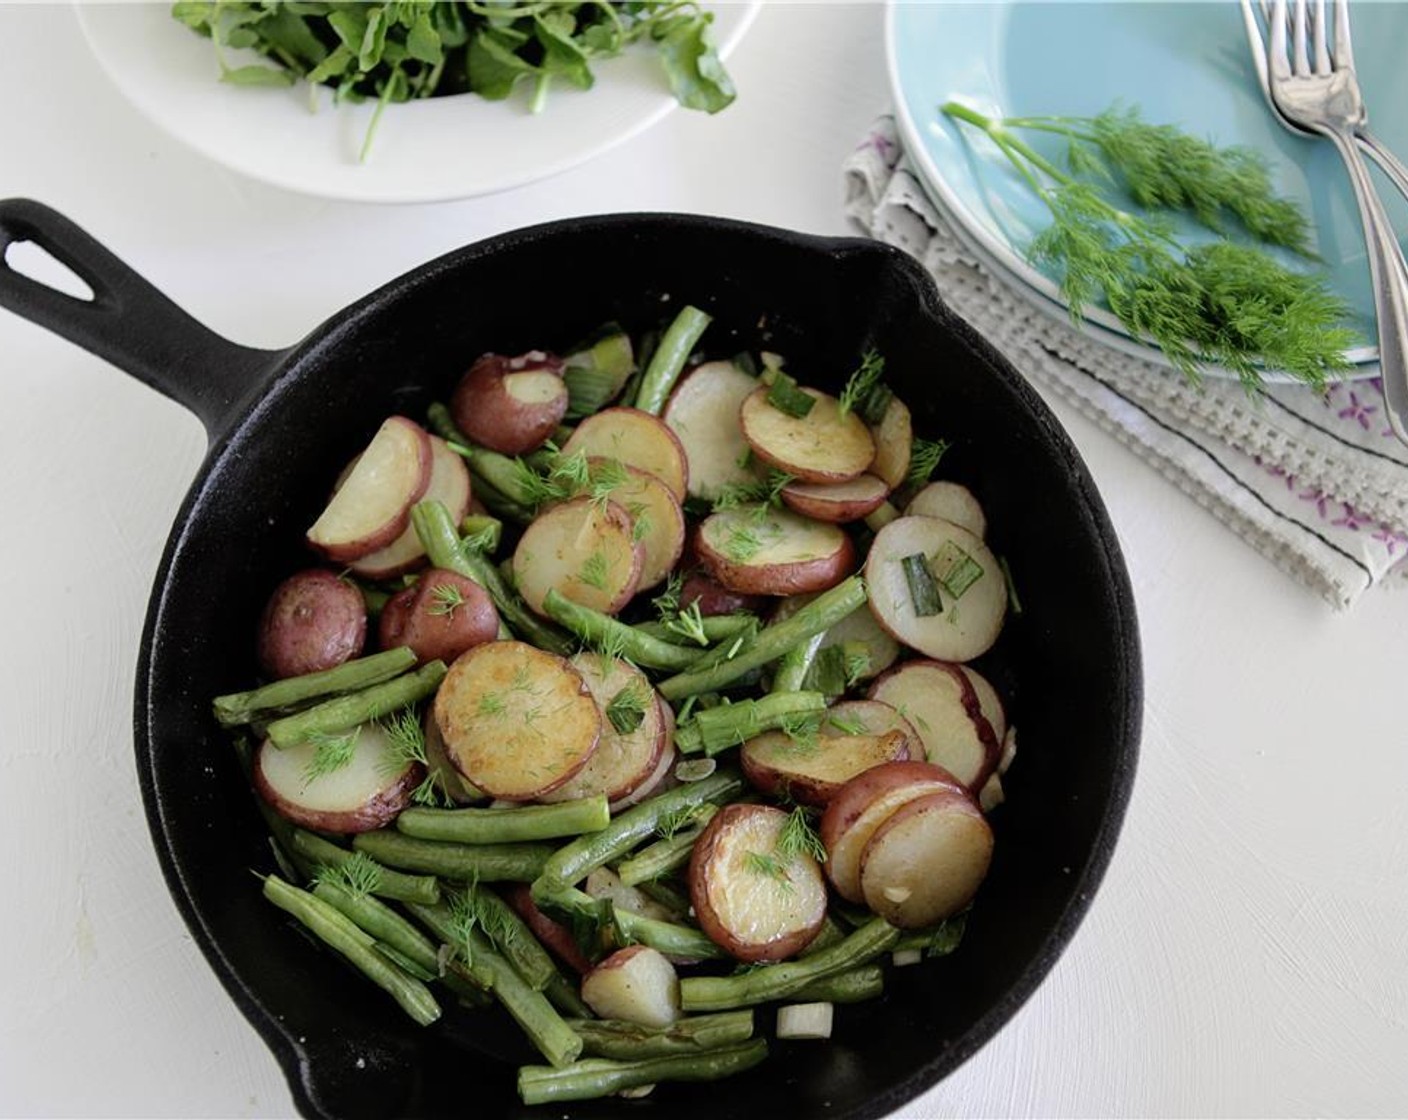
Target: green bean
{"x":437,"y":532}
{"x":792,"y":669}
{"x":244,"y":707}
{"x":555,"y":1040}
{"x":343,"y":935}
{"x":669,"y":938}
{"x":573,"y":862}
{"x":730,"y":725}
{"x":603,"y":631}
{"x":600,"y":1077}
{"x":481,"y":525}
{"x":669,"y":359}
{"x":346,"y":712}
{"x":614,"y":1038}
{"x":713,"y":628}
{"x":562,"y":994}
{"x":458,"y":862}
{"x":782,"y":981}
{"x":772,"y":642}
{"x":503,"y":826}
{"x":854,"y":986}
{"x":388,"y":883}
{"x":511,"y":936}
{"x":665,"y":855}
{"x":381,"y":922}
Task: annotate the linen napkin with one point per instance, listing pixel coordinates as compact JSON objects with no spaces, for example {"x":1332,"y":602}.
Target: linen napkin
{"x":1315,"y":482}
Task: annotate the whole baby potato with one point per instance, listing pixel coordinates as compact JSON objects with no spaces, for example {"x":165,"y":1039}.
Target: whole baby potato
{"x":439,"y":617}
{"x":313,"y":621}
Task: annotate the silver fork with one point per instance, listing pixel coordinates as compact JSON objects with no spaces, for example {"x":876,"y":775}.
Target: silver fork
{"x":1369,"y":144}
{"x":1324,"y":97}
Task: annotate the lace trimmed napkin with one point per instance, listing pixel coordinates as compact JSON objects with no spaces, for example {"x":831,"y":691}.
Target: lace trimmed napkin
{"x":1317,"y":483}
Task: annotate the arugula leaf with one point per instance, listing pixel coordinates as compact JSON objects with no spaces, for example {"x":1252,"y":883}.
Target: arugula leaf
{"x":692,"y":66}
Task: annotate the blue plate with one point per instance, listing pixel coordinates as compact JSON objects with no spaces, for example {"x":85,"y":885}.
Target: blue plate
{"x":1183,"y":63}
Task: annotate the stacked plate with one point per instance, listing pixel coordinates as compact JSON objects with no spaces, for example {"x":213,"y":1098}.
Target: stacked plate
{"x":1178,"y":63}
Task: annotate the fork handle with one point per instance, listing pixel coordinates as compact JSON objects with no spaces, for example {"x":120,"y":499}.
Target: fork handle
{"x":1389,"y":163}
{"x":1389,"y":275}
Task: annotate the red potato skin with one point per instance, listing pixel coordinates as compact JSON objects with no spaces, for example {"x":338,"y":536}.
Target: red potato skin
{"x":714,"y":598}
{"x":860,"y":792}
{"x":829,"y":508}
{"x":971,"y":705}
{"x":376,"y":813}
{"x":483,"y":409}
{"x":780,"y":948}
{"x":556,"y":936}
{"x":345,"y":551}
{"x":313,"y":621}
{"x":796,"y":578}
{"x":413,"y":617}
{"x":945,"y":801}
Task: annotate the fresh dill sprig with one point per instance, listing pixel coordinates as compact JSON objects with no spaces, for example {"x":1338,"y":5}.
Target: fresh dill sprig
{"x":594,"y":570}
{"x":763,"y":495}
{"x":1226,"y":303}
{"x":667,"y":603}
{"x":406,"y":734}
{"x":330,"y":753}
{"x":641,"y":522}
{"x":846,"y":725}
{"x":482,"y":541}
{"x":674,"y":822}
{"x":924,"y":459}
{"x":446,"y":598}
{"x":767,"y":866}
{"x":689,"y":624}
{"x":799,"y":838}
{"x":802,"y":729}
{"x":864,"y":391}
{"x":359,"y":875}
{"x":857,"y":661}
{"x":626,"y":710}
{"x":604,"y":477}
{"x":743,"y":544}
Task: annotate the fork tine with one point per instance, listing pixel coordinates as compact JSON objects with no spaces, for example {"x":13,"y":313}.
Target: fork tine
{"x":1322,"y":36}
{"x":1344,"y":49}
{"x":1257,"y":44}
{"x":1279,"y":59}
{"x":1301,"y":59}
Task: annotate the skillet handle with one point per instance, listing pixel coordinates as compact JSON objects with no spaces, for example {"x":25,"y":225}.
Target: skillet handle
{"x":127,"y":322}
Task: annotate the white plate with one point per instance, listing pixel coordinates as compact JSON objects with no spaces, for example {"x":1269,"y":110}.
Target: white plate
{"x":424,"y":151}
{"x":1181,"y":62}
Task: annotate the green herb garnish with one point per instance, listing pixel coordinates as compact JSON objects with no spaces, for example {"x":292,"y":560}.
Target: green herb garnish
{"x":865,"y":392}
{"x":923,"y":592}
{"x":626,"y":711}
{"x":954,"y":569}
{"x":358,"y":874}
{"x":788,"y":398}
{"x":400,"y":51}
{"x":924,"y":459}
{"x":799,"y":838}
{"x":330,"y":754}
{"x":1226,"y":303}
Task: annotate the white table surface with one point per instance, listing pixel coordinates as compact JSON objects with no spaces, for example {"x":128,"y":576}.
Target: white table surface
{"x":1248,"y":952}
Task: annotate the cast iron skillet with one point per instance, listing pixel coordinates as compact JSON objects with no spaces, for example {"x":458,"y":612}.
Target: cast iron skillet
{"x":282,"y":423}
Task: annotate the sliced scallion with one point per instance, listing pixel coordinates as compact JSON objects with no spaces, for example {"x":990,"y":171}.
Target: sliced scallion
{"x":923,"y":592}
{"x":786,"y":397}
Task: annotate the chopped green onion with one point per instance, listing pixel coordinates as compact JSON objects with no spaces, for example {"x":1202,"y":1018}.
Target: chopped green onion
{"x":786,"y":397}
{"x":1013,"y":603}
{"x":955,"y":570}
{"x":922,"y":591}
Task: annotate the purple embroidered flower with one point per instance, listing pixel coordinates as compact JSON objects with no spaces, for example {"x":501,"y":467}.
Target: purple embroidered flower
{"x":882,"y":146}
{"x":1319,"y":498}
{"x":1357,"y":410}
{"x":1275,"y":472}
{"x":1391,"y":540}
{"x":1350,"y":519}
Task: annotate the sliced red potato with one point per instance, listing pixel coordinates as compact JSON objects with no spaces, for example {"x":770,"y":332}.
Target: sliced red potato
{"x":373,"y":505}
{"x":624,"y":759}
{"x":871,"y":717}
{"x":555,"y":936}
{"x":951,"y":501}
{"x":926,"y":861}
{"x":814,"y":772}
{"x":364,"y":793}
{"x":753,"y":901}
{"x":439,"y":616}
{"x":517,"y":721}
{"x":989,"y":703}
{"x":774,"y":552}
{"x":605,"y":883}
{"x":938,"y":699}
{"x":637,"y":439}
{"x":313,"y":621}
{"x":657,"y":521}
{"x":635,"y":984}
{"x":822,"y":446}
{"x":713,"y":597}
{"x":966,"y":626}
{"x":449,"y":485}
{"x":858,"y":626}
{"x":511,"y":404}
{"x":837,"y":501}
{"x":703,"y":413}
{"x":894,"y":443}
{"x":862,"y":805}
{"x":663,"y":776}
{"x":437,"y":763}
{"x":584,"y":548}
{"x":992,"y":794}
